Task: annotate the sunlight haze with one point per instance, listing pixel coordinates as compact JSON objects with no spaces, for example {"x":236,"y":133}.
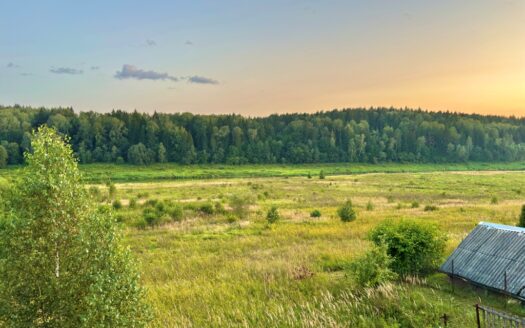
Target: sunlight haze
{"x":258,"y":58}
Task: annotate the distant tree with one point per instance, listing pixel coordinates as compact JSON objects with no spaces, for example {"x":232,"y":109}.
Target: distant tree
{"x":139,"y":155}
{"x":162,"y":156}
{"x":13,"y":153}
{"x":61,"y":259}
{"x":350,"y":135}
{"x":3,"y":157}
{"x":521,"y":222}
{"x":346,"y":212}
{"x":321,"y":175}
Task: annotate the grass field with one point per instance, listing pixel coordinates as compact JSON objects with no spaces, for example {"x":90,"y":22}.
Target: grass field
{"x":97,"y":173}
{"x":207,"y":269}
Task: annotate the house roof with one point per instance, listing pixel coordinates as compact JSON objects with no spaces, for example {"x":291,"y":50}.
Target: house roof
{"x":492,"y":255}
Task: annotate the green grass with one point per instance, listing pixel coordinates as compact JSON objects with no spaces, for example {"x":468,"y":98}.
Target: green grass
{"x":159,"y":172}
{"x":207,"y":271}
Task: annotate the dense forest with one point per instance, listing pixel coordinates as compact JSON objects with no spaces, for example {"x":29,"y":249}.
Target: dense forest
{"x":349,"y":135}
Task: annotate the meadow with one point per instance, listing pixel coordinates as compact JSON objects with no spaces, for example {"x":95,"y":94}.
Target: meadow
{"x":204,"y":267}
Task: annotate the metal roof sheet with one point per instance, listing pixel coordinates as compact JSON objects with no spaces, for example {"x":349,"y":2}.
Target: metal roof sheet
{"x":492,"y":255}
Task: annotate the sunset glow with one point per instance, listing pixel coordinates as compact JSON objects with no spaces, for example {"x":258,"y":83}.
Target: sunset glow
{"x":258,"y":58}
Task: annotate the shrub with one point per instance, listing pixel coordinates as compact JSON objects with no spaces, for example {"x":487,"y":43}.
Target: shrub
{"x":399,"y":206}
{"x":346,"y":212}
{"x":132,"y":203}
{"x":430,"y":208}
{"x":112,"y":190}
{"x":117,"y":204}
{"x":240,"y":205}
{"x":150,"y":202}
{"x":219,"y":208}
{"x":390,"y":199}
{"x":140,"y":224}
{"x":175,"y":212}
{"x":309,"y":175}
{"x":231,"y":218}
{"x":415,"y":248}
{"x":494,"y":200}
{"x":369,"y":206}
{"x":150,"y":217}
{"x":273,"y":215}
{"x":141,"y":195}
{"x":315,"y":214}
{"x":207,"y":209}
{"x":373,"y":268}
{"x":415,"y":204}
{"x":521,"y":222}
{"x":321,"y":175}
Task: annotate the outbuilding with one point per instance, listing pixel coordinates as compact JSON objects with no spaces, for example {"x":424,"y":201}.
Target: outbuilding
{"x":491,"y":256}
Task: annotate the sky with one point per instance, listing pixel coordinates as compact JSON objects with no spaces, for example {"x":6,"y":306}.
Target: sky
{"x":261,"y":57}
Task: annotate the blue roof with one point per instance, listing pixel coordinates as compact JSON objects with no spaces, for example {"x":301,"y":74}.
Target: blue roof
{"x":492,"y":255}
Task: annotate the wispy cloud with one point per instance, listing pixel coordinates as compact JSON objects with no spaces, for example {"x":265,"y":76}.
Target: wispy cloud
{"x":12,"y":65}
{"x":132,"y":72}
{"x":94,"y":68}
{"x":151,"y":43}
{"x":201,"y":80}
{"x":188,"y":43}
{"x":66,"y":70}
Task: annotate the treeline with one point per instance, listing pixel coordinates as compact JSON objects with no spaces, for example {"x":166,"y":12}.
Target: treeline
{"x":349,"y":135}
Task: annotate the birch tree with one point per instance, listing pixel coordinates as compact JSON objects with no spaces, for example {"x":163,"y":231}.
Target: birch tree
{"x":61,"y":260}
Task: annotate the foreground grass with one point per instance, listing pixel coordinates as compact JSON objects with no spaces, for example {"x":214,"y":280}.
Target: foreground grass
{"x":207,"y":271}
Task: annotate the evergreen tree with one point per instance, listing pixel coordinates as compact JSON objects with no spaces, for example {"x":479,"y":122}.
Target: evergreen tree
{"x":61,"y":260}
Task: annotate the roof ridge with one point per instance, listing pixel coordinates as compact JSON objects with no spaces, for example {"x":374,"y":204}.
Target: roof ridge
{"x":502,"y":227}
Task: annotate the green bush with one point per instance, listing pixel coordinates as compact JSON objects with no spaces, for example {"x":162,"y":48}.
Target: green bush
{"x":207,"y":209}
{"x":150,"y":202}
{"x":273,"y":215}
{"x":521,"y":222}
{"x":494,"y":200}
{"x":132,"y":203}
{"x":430,"y":208}
{"x":369,"y":206}
{"x":315,"y":214}
{"x":346,"y":212}
{"x":175,"y":212}
{"x":112,"y":190}
{"x":373,"y":268}
{"x":415,"y":248}
{"x":321,"y":175}
{"x":415,"y":204}
{"x":117,"y":204}
{"x":219,"y":208}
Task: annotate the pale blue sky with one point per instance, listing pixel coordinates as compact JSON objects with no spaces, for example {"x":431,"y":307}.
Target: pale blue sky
{"x":261,"y":57}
